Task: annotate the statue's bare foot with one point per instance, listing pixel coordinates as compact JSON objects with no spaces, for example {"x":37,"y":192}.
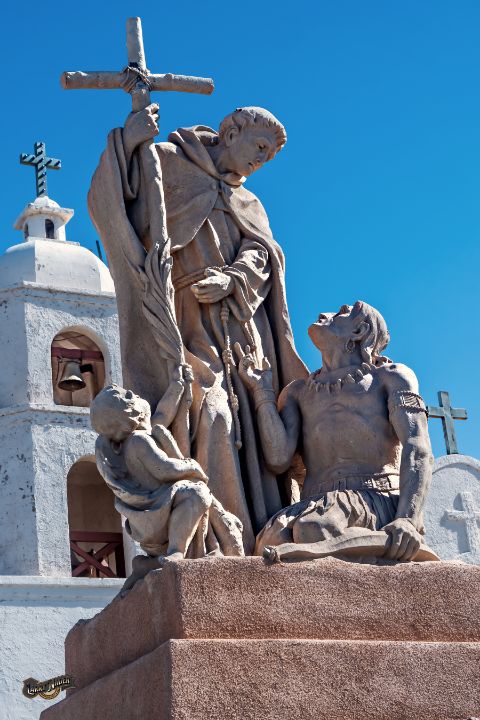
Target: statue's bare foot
{"x":141,"y":566}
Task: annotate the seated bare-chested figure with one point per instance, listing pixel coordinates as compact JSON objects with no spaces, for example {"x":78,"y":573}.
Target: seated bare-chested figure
{"x":361,"y":428}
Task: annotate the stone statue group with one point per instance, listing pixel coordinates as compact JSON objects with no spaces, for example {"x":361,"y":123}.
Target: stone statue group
{"x":227,"y":444}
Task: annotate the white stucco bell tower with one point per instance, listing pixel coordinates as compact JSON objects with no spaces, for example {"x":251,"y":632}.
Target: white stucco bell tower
{"x":59,"y":335}
{"x":61,"y":540}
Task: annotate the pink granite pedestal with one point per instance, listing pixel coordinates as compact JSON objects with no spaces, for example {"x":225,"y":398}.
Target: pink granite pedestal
{"x":229,"y":639}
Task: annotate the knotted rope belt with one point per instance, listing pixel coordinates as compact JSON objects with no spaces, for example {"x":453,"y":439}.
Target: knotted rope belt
{"x":190,"y":278}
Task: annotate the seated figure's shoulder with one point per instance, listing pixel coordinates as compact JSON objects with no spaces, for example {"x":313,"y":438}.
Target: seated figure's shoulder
{"x":137,"y":443}
{"x":395,"y":376}
{"x":291,"y":392}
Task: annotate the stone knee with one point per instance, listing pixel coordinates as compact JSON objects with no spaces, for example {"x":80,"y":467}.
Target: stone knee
{"x":196,"y":495}
{"x":313,"y":528}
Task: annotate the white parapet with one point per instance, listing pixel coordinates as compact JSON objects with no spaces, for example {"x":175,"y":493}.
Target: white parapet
{"x":36,"y":613}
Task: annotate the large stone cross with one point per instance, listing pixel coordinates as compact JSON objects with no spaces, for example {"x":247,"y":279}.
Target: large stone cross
{"x":41,"y":163}
{"x":135,"y":78}
{"x":470,"y":516}
{"x":448,"y":415}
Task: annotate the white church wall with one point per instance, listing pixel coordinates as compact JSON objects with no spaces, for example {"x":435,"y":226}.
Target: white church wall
{"x":36,"y":614}
{"x":47,"y":286}
{"x":51,"y":437}
{"x":59,"y":440}
{"x":18,"y":527}
{"x":13,"y":385}
{"x":39,"y":446}
{"x":48,"y":313}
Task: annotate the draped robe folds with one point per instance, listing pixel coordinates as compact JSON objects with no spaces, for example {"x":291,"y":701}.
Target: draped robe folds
{"x":212,"y":221}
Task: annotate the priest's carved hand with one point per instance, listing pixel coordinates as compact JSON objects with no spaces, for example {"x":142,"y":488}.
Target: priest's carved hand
{"x":216,"y":286}
{"x":139,"y":127}
{"x":256,"y":379}
{"x":404,"y":540}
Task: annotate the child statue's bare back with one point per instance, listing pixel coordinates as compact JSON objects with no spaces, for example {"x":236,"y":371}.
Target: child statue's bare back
{"x":361,"y":428}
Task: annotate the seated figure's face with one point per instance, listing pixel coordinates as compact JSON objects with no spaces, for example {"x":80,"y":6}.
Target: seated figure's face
{"x":131,"y":412}
{"x":332,"y":328}
{"x":137,"y":407}
{"x":249,"y":149}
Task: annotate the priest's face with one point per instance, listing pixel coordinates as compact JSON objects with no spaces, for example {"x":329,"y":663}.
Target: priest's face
{"x":248,"y":149}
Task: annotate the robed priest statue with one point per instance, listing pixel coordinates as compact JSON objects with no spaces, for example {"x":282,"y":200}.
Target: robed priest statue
{"x":197,"y":271}
{"x":229,"y":283}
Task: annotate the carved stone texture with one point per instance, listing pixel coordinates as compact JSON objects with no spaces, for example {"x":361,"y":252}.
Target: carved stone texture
{"x":218,"y":639}
{"x":229,"y":284}
{"x":452,"y":510}
{"x":362,"y":429}
{"x":164,"y":497}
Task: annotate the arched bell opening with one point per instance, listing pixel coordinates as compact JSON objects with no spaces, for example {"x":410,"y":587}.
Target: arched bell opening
{"x":49,"y":229}
{"x":96,"y":539}
{"x":78,"y":369}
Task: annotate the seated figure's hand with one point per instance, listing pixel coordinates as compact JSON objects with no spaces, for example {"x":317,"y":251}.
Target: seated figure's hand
{"x":405,"y":540}
{"x":139,"y":127}
{"x":214,"y":288}
{"x":196,"y":470}
{"x":254,"y":378}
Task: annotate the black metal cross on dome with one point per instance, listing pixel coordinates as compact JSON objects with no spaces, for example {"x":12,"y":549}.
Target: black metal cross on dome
{"x":447,"y":415}
{"x":41,"y":163}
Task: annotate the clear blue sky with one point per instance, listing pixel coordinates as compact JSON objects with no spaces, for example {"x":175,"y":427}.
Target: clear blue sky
{"x":376,"y":195}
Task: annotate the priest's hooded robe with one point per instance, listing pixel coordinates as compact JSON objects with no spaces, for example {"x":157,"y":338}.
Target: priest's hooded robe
{"x":212,"y":221}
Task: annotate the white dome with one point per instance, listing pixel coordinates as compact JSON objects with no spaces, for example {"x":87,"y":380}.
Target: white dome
{"x":55,"y":263}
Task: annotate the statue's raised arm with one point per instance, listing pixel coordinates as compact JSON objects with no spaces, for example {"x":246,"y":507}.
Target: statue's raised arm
{"x":196,"y":269}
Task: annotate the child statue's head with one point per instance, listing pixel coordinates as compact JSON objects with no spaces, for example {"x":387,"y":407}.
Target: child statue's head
{"x":117,"y":413}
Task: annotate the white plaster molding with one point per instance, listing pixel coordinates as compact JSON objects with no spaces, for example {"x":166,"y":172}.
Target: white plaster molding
{"x":33,"y":589}
{"x":76,"y":295}
{"x":35,"y":408}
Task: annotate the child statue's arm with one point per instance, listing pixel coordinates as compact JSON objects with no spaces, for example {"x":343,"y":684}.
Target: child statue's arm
{"x":143,"y":449}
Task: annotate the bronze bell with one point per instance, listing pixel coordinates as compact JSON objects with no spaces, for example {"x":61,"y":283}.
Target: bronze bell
{"x":71,"y":378}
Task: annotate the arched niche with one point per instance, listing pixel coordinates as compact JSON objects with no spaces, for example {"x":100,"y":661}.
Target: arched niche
{"x":49,"y":229}
{"x":95,"y":526}
{"x":78,"y":368}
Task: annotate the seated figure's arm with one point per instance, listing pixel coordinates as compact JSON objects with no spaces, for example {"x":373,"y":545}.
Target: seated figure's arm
{"x":143,"y":449}
{"x":408,"y":417}
{"x":181,"y":379}
{"x":279,"y":429}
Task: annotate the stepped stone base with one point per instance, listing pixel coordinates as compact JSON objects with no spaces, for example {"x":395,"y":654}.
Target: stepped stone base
{"x":234,"y":638}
